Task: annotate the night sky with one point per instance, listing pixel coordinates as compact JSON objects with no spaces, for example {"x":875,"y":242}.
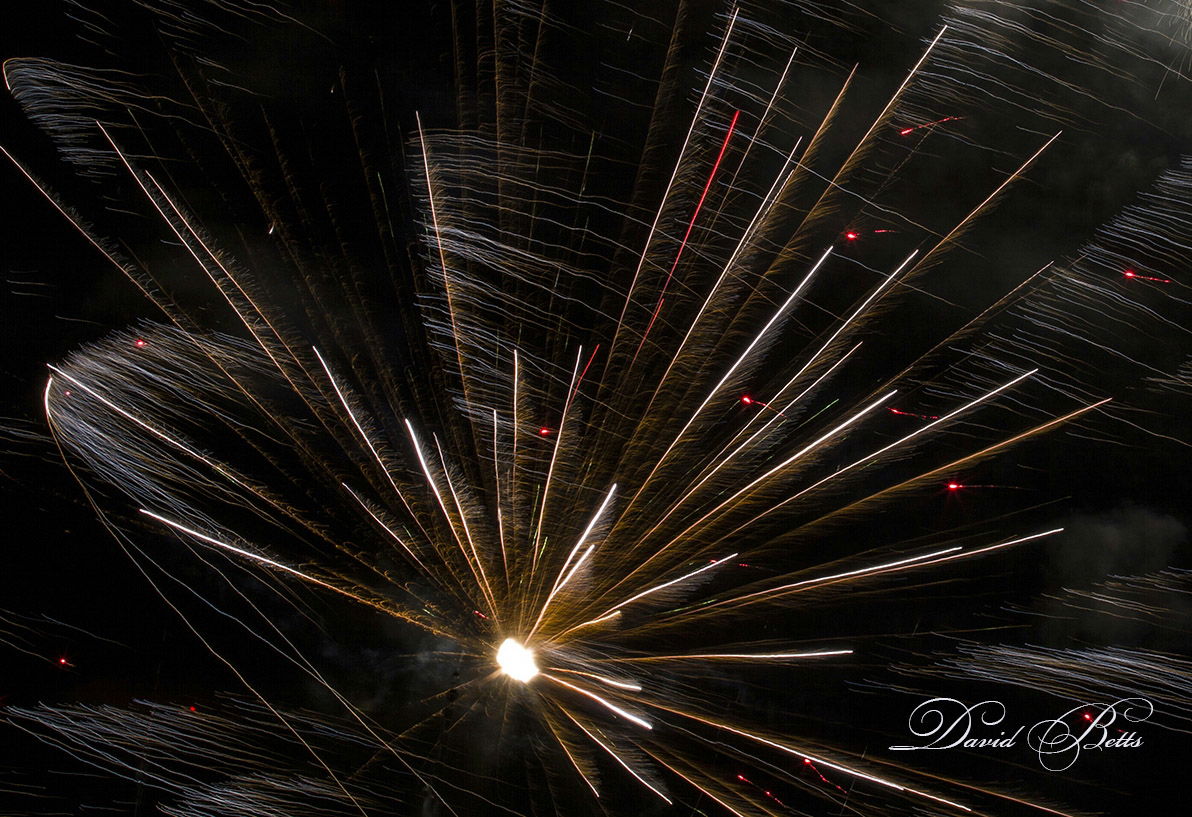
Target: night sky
{"x":82,"y":624}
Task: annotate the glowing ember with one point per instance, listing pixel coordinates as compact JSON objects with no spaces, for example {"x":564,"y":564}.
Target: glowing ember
{"x":516,"y":661}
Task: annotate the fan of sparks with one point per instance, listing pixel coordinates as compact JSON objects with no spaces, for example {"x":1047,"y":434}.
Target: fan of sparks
{"x":586,"y":444}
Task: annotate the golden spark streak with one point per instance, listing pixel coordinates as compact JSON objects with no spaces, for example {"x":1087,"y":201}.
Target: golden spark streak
{"x":759,"y":656}
{"x":933,"y":558}
{"x":975,"y":402}
{"x":607,"y":614}
{"x":615,"y":756}
{"x":483,"y":585}
{"x":367,"y":441}
{"x":802,"y":452}
{"x":560,"y":581}
{"x":752,"y":344}
{"x":497,"y":501}
{"x":811,"y":361}
{"x":763,"y":209}
{"x":434,"y":219}
{"x":605,"y":703}
{"x":463,"y":520}
{"x":968,"y":458}
{"x":601,"y":678}
{"x":775,"y":417}
{"x":674,"y":173}
{"x":248,"y":554}
{"x":554,"y":458}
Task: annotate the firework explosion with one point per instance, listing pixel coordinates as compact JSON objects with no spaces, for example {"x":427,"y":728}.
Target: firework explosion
{"x":630,"y":399}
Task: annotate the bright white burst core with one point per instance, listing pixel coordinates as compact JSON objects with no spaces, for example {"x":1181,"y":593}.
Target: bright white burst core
{"x":516,"y":661}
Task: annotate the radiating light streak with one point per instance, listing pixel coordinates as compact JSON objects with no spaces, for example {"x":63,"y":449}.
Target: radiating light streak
{"x":674,"y":173}
{"x":607,"y":614}
{"x":392,"y":533}
{"x":730,"y":656}
{"x":367,"y":440}
{"x":733,"y":368}
{"x":250,"y":687}
{"x":761,"y":120}
{"x":196,"y":239}
{"x":561,"y":581}
{"x":463,"y":521}
{"x":571,"y":757}
{"x":580,"y":379}
{"x":933,"y":558}
{"x":434,"y":220}
{"x":629,"y":716}
{"x":835,"y":577}
{"x":757,"y":481}
{"x":847,"y":165}
{"x":446,"y":514}
{"x":732,"y":126}
{"x":694,"y":784}
{"x":306,"y":577}
{"x":604,"y":679}
{"x":895,"y":444}
{"x":860,"y":310}
{"x":219,"y":468}
{"x":126,"y":269}
{"x":970,"y":458}
{"x":248,"y":554}
{"x":999,"y":546}
{"x":722,"y":461}
{"x":550,"y":472}
{"x":125,"y":545}
{"x":811,"y":361}
{"x":513,"y":435}
{"x":970,"y":325}
{"x":497,"y":501}
{"x":594,"y":621}
{"x":964,"y":222}
{"x":616,"y":757}
{"x":763,"y":209}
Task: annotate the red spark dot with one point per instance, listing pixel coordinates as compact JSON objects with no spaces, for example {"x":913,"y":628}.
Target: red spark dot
{"x":480,"y":614}
{"x":1131,"y":274}
{"x":741,"y":777}
{"x":139,"y":343}
{"x":1087,"y":716}
{"x":746,"y":399}
{"x":544,"y":432}
{"x":193,"y":709}
{"x":852,"y":236}
{"x":806,"y":761}
{"x":62,"y":661}
{"x":914,"y":128}
{"x":954,"y":486}
{"x":67,"y":393}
